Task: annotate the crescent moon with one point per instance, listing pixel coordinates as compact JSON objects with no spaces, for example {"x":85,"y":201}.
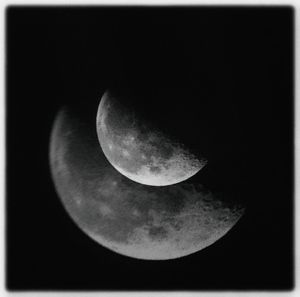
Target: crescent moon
{"x":144,"y":222}
{"x":140,"y":152}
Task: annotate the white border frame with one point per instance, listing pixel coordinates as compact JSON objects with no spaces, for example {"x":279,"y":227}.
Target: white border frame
{"x":295,"y":4}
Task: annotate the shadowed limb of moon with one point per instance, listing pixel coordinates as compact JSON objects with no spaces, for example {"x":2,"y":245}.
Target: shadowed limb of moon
{"x":153,"y":223}
{"x":139,"y":152}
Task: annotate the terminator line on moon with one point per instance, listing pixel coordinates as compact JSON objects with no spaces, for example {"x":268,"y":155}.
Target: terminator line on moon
{"x":139,"y":221}
{"x":138,"y":152}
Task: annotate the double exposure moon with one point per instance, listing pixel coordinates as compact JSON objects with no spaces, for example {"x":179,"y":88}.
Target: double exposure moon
{"x":139,"y":221}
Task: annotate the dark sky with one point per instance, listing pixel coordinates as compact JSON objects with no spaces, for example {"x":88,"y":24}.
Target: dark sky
{"x":220,"y":79}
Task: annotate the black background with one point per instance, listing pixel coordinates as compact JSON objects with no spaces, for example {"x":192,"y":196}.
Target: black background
{"x":221,"y":77}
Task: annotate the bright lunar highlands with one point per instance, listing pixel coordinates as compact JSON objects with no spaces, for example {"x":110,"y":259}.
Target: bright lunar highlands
{"x":139,"y":152}
{"x":153,"y":223}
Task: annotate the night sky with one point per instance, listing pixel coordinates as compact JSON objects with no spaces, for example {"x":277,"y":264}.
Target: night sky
{"x":220,"y":79}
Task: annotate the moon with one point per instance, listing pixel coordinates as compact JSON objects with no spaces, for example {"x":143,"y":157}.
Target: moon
{"x":139,"y":151}
{"x":134,"y":220}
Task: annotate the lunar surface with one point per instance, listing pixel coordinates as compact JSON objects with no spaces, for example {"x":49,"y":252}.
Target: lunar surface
{"x":141,"y":153}
{"x":153,"y":223}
